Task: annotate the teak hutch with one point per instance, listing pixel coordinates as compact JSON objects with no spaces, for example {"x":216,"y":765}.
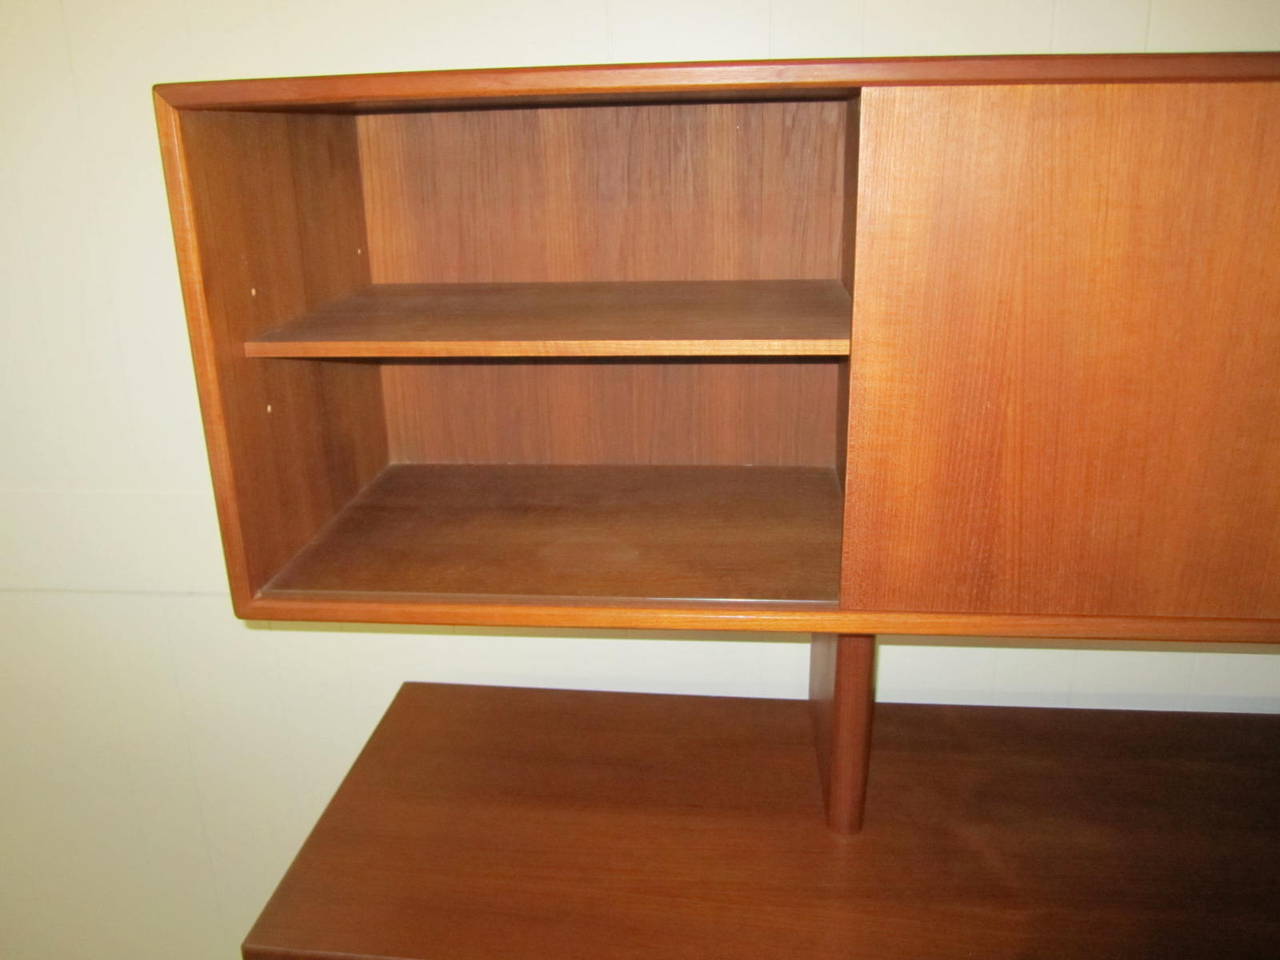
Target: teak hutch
{"x":979,"y":346}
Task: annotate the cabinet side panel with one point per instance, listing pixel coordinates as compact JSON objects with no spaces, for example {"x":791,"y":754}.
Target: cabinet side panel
{"x":278,"y":227}
{"x":848,"y":237}
{"x":1066,"y":352}
{"x":724,"y":412}
{"x":728,"y":191}
{"x":849,"y":208}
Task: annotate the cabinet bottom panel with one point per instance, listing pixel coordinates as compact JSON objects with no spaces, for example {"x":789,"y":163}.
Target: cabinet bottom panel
{"x":521,"y":531}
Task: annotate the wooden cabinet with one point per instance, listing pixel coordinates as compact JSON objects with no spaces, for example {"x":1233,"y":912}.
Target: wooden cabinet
{"x":945,"y":346}
{"x":984,"y":346}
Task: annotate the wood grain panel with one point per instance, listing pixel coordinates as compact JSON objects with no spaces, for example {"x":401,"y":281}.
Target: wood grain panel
{"x":734,"y":191}
{"x":1066,"y":385}
{"x":725,"y":412}
{"x":579,"y":825}
{"x":713,"y":533}
{"x":848,"y":248}
{"x":849,"y":224}
{"x":665,"y":318}
{"x":270,"y":225}
{"x":704,"y":81}
{"x":649,"y":614}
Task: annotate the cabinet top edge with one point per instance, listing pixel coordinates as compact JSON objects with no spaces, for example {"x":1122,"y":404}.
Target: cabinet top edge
{"x":747,"y":79}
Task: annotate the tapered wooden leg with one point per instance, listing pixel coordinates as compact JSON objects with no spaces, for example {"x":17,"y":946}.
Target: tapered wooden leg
{"x":842,"y":671}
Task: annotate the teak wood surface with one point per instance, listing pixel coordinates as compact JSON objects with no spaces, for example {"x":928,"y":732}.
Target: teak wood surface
{"x":268,"y":223}
{"x":1057,"y":417}
{"x":726,"y":191}
{"x":687,"y":412}
{"x":1066,"y":354}
{"x":706,"y":81}
{"x":842,"y":694}
{"x":631,"y":319}
{"x":646,"y":613}
{"x":702,"y":533}
{"x":483,"y":822}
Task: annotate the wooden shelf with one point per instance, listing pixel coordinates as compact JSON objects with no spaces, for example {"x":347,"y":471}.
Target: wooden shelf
{"x":722,"y":534}
{"x":654,"y":319}
{"x":484,"y":822}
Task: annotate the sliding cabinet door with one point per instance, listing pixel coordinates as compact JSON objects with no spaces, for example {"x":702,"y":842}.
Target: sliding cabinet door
{"x":1066,"y":358}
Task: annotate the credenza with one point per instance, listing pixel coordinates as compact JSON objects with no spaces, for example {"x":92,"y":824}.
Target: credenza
{"x":972,"y":346}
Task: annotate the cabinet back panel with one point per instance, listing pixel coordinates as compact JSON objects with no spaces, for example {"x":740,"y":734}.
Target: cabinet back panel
{"x":1066,"y":351}
{"x":728,"y":191}
{"x":722,"y":412}
{"x":278,"y":228}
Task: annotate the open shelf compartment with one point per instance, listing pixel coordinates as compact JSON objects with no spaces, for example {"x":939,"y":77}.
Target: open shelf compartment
{"x":582,"y":353}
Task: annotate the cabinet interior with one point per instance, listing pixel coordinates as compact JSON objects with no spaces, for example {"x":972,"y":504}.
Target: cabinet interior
{"x":573,"y":351}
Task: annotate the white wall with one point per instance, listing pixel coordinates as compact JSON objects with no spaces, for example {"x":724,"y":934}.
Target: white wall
{"x":161,"y":760}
